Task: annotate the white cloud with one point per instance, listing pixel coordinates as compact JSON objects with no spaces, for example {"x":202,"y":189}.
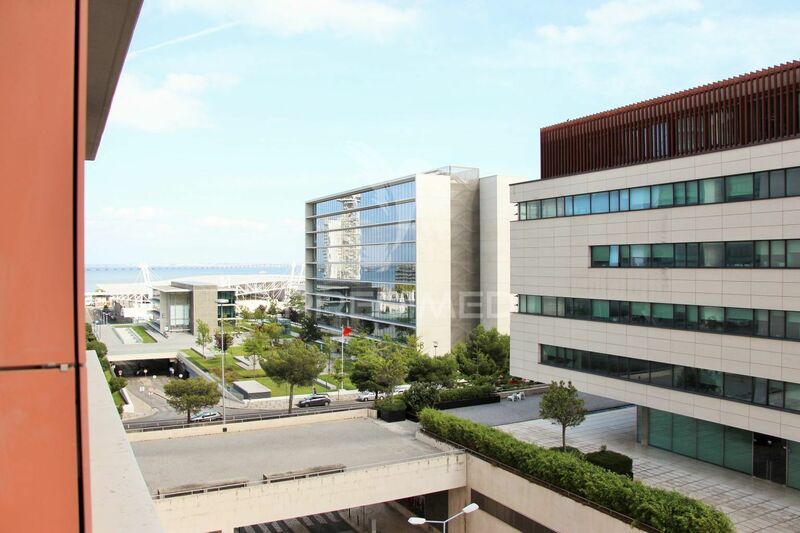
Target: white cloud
{"x":176,"y":103}
{"x":221,"y":222}
{"x":140,"y":213}
{"x":370,"y":18}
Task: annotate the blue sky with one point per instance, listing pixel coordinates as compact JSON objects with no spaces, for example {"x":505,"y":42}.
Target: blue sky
{"x":231,"y":113}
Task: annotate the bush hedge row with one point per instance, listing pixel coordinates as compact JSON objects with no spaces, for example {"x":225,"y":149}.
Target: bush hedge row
{"x":658,"y":508}
{"x":469,"y":392}
{"x":613,"y":461}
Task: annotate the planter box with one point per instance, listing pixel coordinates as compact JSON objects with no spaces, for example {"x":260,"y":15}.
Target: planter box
{"x":391,"y":416}
{"x":443,"y":406}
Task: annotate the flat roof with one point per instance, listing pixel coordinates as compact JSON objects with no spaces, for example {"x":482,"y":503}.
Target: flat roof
{"x":222,"y":457}
{"x":169,"y":288}
{"x":251,"y":386}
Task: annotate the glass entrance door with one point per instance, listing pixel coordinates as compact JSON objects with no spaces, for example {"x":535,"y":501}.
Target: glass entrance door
{"x":769,"y":458}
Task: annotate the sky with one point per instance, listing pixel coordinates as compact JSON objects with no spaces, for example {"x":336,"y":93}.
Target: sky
{"x":230,"y":114}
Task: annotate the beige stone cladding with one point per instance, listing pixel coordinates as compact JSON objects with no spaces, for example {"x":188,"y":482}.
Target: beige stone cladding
{"x":551,"y":258}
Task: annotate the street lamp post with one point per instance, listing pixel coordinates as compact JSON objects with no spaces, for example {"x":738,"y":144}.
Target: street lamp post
{"x":418,"y":520}
{"x":220,"y":302}
{"x":435,"y":345}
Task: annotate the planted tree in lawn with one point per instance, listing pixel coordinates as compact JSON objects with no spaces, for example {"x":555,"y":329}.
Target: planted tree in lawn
{"x":441,"y":371}
{"x":309,"y":330}
{"x":295,"y":363}
{"x":338,"y":375}
{"x":561,"y":405}
{"x":380,"y":370}
{"x":261,"y":341}
{"x":485,"y":355}
{"x":203,"y":335}
{"x":191,"y":395}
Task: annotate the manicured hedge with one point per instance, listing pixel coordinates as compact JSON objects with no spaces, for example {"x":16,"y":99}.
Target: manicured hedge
{"x":660,"y":509}
{"x":613,"y":461}
{"x":470,"y":392}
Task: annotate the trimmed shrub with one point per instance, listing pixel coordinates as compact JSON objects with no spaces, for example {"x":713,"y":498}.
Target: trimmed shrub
{"x":661,"y":509}
{"x":116,"y":383}
{"x":569,"y":449}
{"x":613,"y":461}
{"x":392,"y":403}
{"x":98,"y":347}
{"x":470,"y":392}
{"x":104,"y":364}
{"x":421,"y":395}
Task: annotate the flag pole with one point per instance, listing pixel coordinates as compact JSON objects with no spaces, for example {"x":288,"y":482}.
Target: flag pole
{"x":341,"y":370}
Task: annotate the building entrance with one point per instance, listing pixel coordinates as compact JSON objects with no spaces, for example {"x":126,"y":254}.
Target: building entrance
{"x":769,"y":458}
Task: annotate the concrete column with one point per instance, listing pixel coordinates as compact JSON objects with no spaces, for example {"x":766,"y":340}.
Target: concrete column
{"x":457,"y":499}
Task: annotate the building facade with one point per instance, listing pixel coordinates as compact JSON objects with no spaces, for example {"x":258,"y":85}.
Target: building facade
{"x":406,"y":257}
{"x":657,"y":264}
{"x":179,"y":305}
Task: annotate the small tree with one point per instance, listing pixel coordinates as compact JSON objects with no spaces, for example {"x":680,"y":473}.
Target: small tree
{"x":261,"y":341}
{"x":203,"y":335}
{"x":273,"y":308}
{"x":260,"y":313}
{"x":295,"y":363}
{"x":97,"y":346}
{"x":437,"y":370}
{"x":561,"y":405}
{"x":297,"y":300}
{"x":338,"y":375}
{"x":371,"y":372}
{"x":309,"y":330}
{"x":218,"y":340}
{"x":191,"y":395}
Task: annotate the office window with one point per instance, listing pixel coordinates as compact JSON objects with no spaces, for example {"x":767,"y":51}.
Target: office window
{"x":739,"y":387}
{"x":613,"y":256}
{"x":760,"y":391}
{"x":549,"y":208}
{"x":793,"y":325}
{"x":523,"y":303}
{"x":739,"y":188}
{"x":614,"y":201}
{"x":600,"y":202}
{"x":679,"y":190}
{"x":711,"y":191}
{"x":640,"y":313}
{"x":601,"y":256}
{"x":661,"y":195}
{"x":775,"y":393}
{"x":761,"y":323}
{"x":619,"y":312}
{"x":791,"y":396}
{"x":568,"y":206}
{"x":549,"y":306}
{"x":598,"y":363}
{"x":739,"y":254}
{"x":549,"y":354}
{"x":624,"y":200}
{"x":761,"y":185}
{"x":709,"y":382}
{"x":640,"y":198}
{"x":582,"y":204}
{"x":793,"y":181}
{"x":739,"y":321}
{"x":600,"y":310}
{"x":711,"y":319}
{"x":639,"y":370}
{"x":535,"y":305}
{"x":684,"y":378}
{"x":660,"y":374}
{"x":640,"y":255}
{"x":712,"y":254}
{"x":660,"y":434}
{"x":761,"y":254}
{"x":684,"y":435}
{"x":680,"y":255}
{"x":534,"y":209}
{"x":692,"y":195}
{"x":710,"y":442}
{"x":692,"y":317}
{"x":777,"y":184}
{"x":679,"y":316}
{"x":662,"y":315}
{"x":624,"y":255}
{"x":561,"y":303}
{"x":523,"y":211}
{"x":738,"y":450}
{"x":560,"y":207}
{"x":777,"y":324}
{"x":793,"y":253}
{"x":582,"y":308}
{"x":777,"y":254}
{"x":692,"y":254}
{"x":663,"y":255}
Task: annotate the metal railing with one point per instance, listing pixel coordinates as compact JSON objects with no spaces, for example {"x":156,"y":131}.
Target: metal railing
{"x":155,"y":426}
{"x":281,"y":478}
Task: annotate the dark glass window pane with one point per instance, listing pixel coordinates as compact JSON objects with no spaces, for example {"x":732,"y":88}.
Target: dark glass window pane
{"x":739,"y":387}
{"x":777,"y":184}
{"x":793,"y":325}
{"x":691,"y":193}
{"x":618,"y":311}
{"x":711,"y":191}
{"x":679,"y":316}
{"x":761,"y":185}
{"x":685,"y":378}
{"x":739,"y":254}
{"x":598,"y":363}
{"x":777,"y":254}
{"x":624,"y":200}
{"x":549,"y":307}
{"x":684,"y":435}
{"x":739,"y":449}
{"x":776,"y":393}
{"x":762,"y":254}
{"x":614,"y":200}
{"x":639,"y":370}
{"x":692,"y":317}
{"x":535,"y":305}
{"x":661,"y":195}
{"x":523,"y":303}
{"x":561,"y":307}
{"x":613,"y":256}
{"x":739,"y":187}
{"x":624,"y":255}
{"x":791,"y":396}
{"x":709,"y":382}
{"x":661,"y":374}
{"x":660,"y":433}
{"x":549,"y":354}
{"x":640,"y":313}
{"x":581,"y":204}
{"x":711,"y":319}
{"x":680,"y":193}
{"x":640,"y":255}
{"x":710,"y":442}
{"x":600,"y":256}
{"x":640,"y":198}
{"x":559,"y":207}
{"x":662,"y":315}
{"x":777,"y":324}
{"x":582,"y":308}
{"x":712,"y":254}
{"x":522,"y":211}
{"x":534,"y":210}
{"x":760,"y":391}
{"x":549,"y":208}
{"x":600,"y":310}
{"x":663,"y":256}
{"x":680,"y":255}
{"x":692,"y":254}
{"x":762,"y":322}
{"x":739,"y":321}
{"x":600,"y":202}
{"x":793,"y":181}
{"x":568,"y":206}
{"x":793,"y":253}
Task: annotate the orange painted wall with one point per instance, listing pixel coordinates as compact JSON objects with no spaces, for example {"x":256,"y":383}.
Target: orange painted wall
{"x":43,"y":434}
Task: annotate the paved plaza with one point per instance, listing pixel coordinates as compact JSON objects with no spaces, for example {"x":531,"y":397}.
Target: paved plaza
{"x":752,"y":504}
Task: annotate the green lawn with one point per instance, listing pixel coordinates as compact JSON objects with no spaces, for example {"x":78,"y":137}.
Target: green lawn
{"x":142,"y":332}
{"x":347,"y":384}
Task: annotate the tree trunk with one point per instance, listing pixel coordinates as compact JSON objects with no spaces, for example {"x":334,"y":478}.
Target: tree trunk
{"x":291,"y":395}
{"x":188,"y":416}
{"x":563,"y":438}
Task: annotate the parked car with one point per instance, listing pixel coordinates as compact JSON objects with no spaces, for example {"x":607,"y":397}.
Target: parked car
{"x":205,"y":416}
{"x":401,"y":389}
{"x":314,"y":399}
{"x":368,"y":396}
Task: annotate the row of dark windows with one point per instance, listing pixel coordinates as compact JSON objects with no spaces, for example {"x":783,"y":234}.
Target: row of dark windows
{"x":754,"y":186}
{"x":737,"y":387}
{"x":711,"y":319}
{"x":777,"y":253}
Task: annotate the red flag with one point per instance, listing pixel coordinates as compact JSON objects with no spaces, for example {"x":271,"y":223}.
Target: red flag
{"x":346,"y":331}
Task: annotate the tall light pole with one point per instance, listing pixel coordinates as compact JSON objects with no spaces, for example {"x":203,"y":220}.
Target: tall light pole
{"x":418,"y":520}
{"x":435,"y":345}
{"x":221,"y":302}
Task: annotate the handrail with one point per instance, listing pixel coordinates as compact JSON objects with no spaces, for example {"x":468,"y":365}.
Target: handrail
{"x":157,"y":427}
{"x":160,"y":495}
{"x":546,"y":484}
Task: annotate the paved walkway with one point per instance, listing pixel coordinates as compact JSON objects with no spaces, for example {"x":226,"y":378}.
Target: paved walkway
{"x":752,"y":504}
